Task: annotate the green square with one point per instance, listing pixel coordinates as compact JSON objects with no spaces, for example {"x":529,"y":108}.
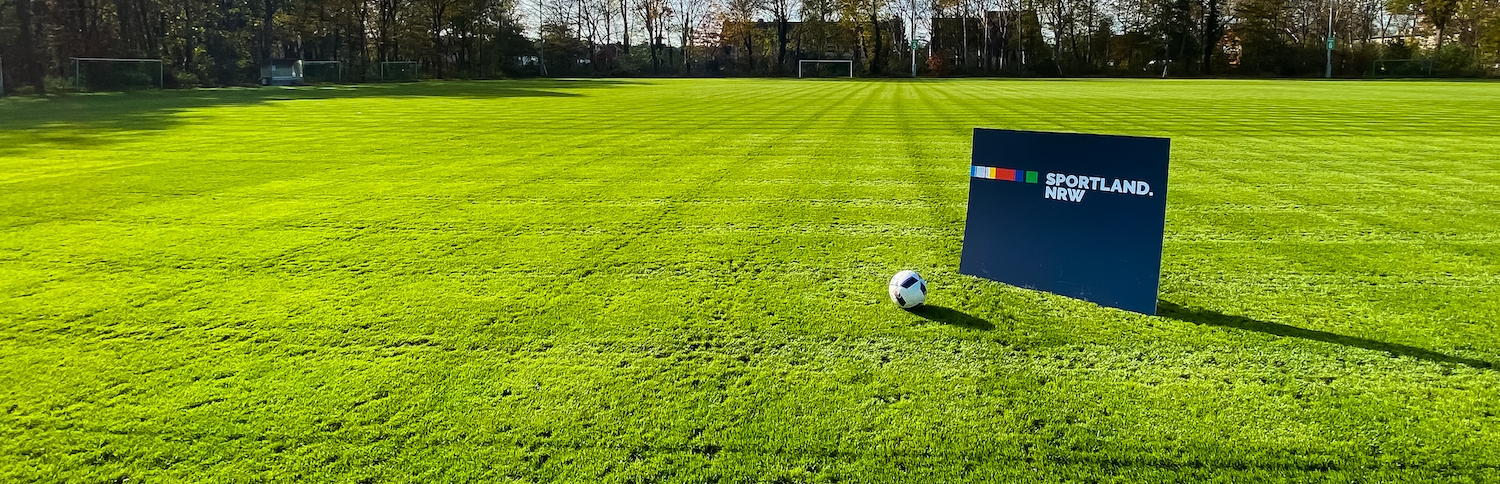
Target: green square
{"x":1030,"y":177}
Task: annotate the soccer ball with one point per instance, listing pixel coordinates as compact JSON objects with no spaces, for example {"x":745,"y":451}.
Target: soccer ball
{"x":908,"y":290}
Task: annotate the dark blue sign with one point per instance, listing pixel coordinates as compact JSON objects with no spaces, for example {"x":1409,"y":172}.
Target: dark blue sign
{"x":1078,"y":215}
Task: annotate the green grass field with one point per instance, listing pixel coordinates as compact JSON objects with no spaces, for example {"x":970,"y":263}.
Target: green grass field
{"x":683,"y":281}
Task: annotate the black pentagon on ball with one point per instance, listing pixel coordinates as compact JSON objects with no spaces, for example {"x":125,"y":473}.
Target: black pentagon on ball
{"x":923,"y":287}
{"x":899,"y":300}
{"x":909,"y":281}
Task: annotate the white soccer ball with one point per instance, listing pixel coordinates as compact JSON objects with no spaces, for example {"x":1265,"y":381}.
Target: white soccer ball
{"x":908,"y":290}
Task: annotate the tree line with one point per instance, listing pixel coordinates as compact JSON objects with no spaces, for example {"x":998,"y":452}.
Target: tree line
{"x":226,"y":42}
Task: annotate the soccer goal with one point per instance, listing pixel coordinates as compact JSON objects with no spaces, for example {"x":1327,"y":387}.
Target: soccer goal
{"x":1401,"y":68}
{"x":111,"y":74}
{"x":398,"y":71}
{"x":322,"y":71}
{"x":817,"y":64}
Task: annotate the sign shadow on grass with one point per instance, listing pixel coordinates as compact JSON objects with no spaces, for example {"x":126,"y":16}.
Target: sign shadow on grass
{"x":1214,"y":318}
{"x":952,"y":317}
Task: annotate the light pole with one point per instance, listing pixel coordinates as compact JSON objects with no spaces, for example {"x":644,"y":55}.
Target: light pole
{"x":541,"y":41}
{"x":1328,"y":70}
{"x":913,"y":38}
{"x":914,"y":58}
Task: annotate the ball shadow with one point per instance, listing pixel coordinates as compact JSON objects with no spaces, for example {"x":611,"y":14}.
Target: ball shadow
{"x":952,"y":317}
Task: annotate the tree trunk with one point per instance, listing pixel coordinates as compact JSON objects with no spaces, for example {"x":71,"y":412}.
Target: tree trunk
{"x":687,"y":56}
{"x":876,"y":59}
{"x":625,"y":29}
{"x":985,"y":55}
{"x":31,"y":69}
{"x":651,"y":39}
{"x":781,"y":31}
{"x":267,"y":31}
{"x":1211,"y":35}
{"x":964,"y":29}
{"x":363,"y":33}
{"x":749,"y":52}
{"x":439,"y":55}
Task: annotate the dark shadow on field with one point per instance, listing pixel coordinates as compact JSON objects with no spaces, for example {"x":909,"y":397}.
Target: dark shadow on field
{"x":1214,"y":318}
{"x":952,"y":317}
{"x":90,"y":119}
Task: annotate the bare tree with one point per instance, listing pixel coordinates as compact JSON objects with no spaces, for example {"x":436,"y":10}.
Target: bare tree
{"x":625,"y":28}
{"x":437,"y":16}
{"x":690,"y":14}
{"x":781,"y":13}
{"x":739,"y":24}
{"x":654,"y":15}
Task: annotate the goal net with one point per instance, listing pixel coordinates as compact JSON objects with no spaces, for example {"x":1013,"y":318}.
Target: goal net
{"x":1401,"y":68}
{"x":398,"y":71}
{"x":314,"y":72}
{"x":825,"y":68}
{"x":110,"y":74}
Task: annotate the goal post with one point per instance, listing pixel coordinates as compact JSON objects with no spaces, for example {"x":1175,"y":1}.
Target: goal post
{"x":398,"y":70}
{"x":323,"y":71}
{"x":801,"y":64}
{"x":95,"y":72}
